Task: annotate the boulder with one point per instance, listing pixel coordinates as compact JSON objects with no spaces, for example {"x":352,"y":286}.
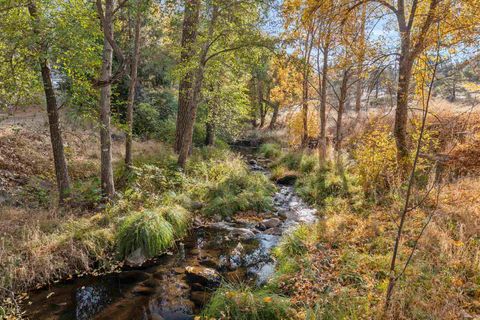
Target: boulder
{"x":242,"y":233}
{"x":271,"y":223}
{"x":206,"y":276}
{"x":196,"y":205}
{"x":274,"y":231}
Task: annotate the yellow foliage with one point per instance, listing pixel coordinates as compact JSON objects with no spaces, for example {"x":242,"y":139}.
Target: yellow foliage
{"x":295,"y":126}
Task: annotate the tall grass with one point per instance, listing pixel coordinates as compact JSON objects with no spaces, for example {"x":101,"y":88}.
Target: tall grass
{"x":147,"y":230}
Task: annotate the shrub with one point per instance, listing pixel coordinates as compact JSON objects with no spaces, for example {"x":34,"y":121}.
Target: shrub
{"x":146,"y":120}
{"x":270,"y":150}
{"x":242,"y":302}
{"x":148,"y":230}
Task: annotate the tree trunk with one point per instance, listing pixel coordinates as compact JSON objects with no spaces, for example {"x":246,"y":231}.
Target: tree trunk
{"x":341,"y":108}
{"x":273,"y":121}
{"x":401,"y":112}
{"x":210,"y":134}
{"x":131,"y":89}
{"x":361,"y":58}
{"x":322,"y":141}
{"x":185,"y":93}
{"x":188,"y":118}
{"x":305,"y":111}
{"x":108,"y":187}
{"x":60,"y":163}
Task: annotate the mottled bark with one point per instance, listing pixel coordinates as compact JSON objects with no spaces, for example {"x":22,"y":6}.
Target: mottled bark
{"x":322,"y":141}
{"x":401,"y":112}
{"x":185,"y":93}
{"x":60,"y":163}
{"x":342,"y":99}
{"x":106,"y":174}
{"x":131,"y":89}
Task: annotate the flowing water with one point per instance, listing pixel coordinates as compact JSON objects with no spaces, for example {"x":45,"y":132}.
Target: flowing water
{"x":176,"y":285}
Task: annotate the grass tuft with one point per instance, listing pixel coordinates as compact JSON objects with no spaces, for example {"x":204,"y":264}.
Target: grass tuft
{"x":148,"y":230}
{"x":244,"y":303}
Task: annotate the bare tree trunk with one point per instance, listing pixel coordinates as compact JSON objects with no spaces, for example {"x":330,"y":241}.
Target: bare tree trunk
{"x":185,"y":93}
{"x":401,"y":112}
{"x":131,"y":89}
{"x":261,"y":108}
{"x":359,"y":85}
{"x":322,"y":143}
{"x":187,"y":119}
{"x":341,"y":107}
{"x":60,"y":163}
{"x":273,"y":121}
{"x":108,"y":187}
{"x":305,"y":84}
{"x":305,"y":112}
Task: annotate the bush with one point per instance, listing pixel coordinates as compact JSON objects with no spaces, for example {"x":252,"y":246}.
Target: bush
{"x":270,"y":150}
{"x":242,"y":302}
{"x":148,"y":230}
{"x":146,"y":120}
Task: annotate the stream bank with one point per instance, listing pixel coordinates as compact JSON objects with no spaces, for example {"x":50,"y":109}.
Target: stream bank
{"x":177,"y":284}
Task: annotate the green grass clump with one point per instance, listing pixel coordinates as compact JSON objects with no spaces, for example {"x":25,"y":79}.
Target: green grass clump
{"x":294,"y":243}
{"x":179,"y":218}
{"x":308,"y":163}
{"x":326,"y":183}
{"x":146,"y":229}
{"x":240,"y":192}
{"x":270,"y":150}
{"x":244,"y":303}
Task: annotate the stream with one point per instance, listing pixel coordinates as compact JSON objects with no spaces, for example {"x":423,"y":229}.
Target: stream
{"x":177,"y":285}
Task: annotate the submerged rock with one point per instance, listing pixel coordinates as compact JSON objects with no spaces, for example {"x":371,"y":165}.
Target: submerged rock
{"x":132,"y":276}
{"x":143,"y":290}
{"x":89,"y":301}
{"x":206,"y":276}
{"x":136,"y":258}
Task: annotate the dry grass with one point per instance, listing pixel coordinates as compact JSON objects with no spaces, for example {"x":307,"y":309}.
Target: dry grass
{"x":346,"y":273}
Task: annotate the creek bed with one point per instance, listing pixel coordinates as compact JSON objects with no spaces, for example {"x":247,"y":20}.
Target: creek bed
{"x":177,"y":285}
